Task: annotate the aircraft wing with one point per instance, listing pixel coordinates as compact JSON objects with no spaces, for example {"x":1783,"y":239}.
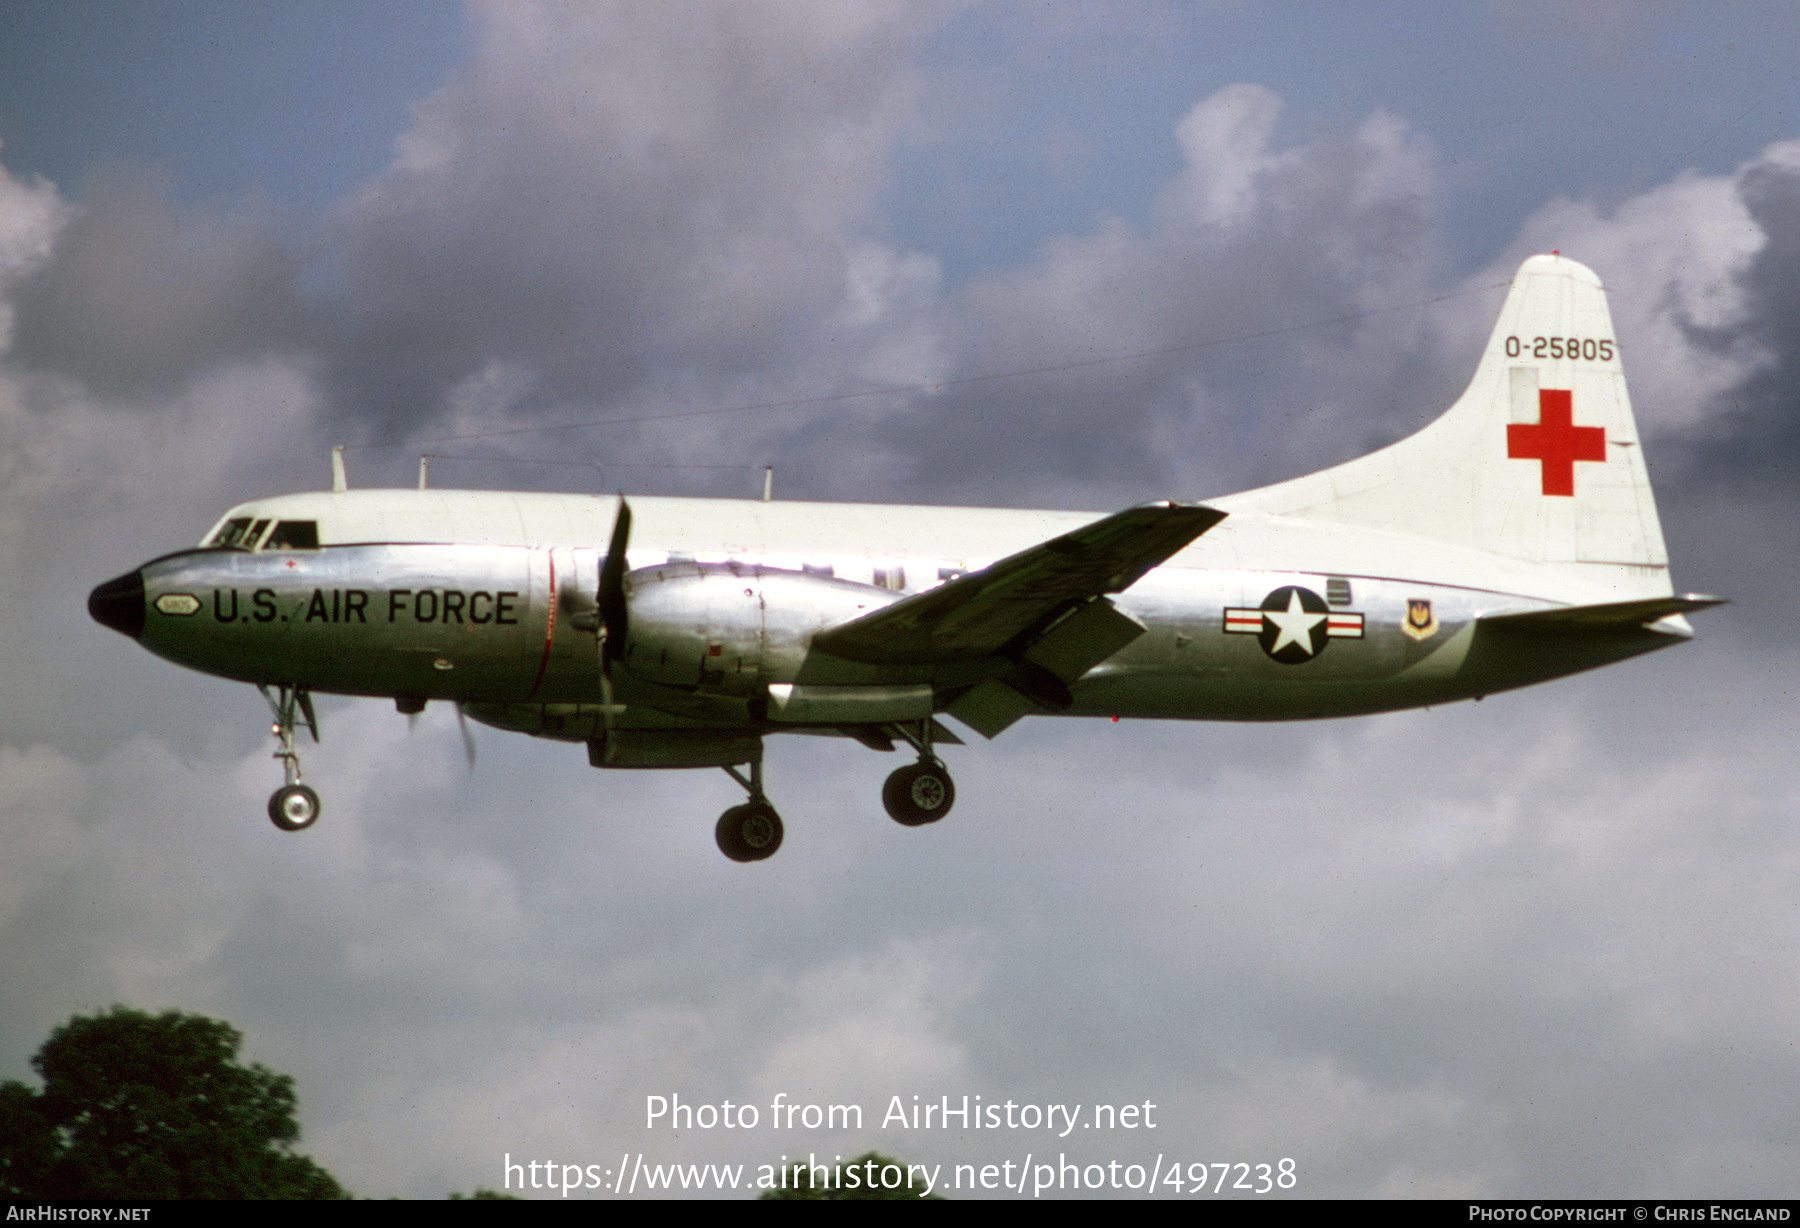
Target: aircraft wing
{"x":982,"y":613}
{"x":1608,"y":617}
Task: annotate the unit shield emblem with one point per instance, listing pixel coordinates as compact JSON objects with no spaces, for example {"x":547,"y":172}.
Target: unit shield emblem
{"x":1421,"y":622}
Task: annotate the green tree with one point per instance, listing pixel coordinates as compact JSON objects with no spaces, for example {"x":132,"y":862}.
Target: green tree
{"x":153,"y":1106}
{"x":864,"y":1178}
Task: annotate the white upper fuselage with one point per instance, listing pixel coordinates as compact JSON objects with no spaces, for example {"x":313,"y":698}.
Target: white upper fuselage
{"x":857,"y":538}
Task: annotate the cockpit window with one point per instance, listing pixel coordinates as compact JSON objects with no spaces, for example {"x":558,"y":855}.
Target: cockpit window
{"x":294,"y":535}
{"x":232,"y":533}
{"x":243,"y":533}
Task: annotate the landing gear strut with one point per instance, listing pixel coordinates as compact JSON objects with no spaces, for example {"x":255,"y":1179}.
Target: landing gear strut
{"x":922,"y":792}
{"x":294,"y":806}
{"x":752,"y":831}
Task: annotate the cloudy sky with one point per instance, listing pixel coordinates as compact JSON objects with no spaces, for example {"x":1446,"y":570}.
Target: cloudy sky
{"x":1543,"y":945}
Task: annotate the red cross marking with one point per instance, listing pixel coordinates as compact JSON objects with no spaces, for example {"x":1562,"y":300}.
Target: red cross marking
{"x":1555,"y":440}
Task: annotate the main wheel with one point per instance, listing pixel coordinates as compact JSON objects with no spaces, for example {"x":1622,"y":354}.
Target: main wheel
{"x":294,"y":808}
{"x":749,"y":833}
{"x":919,"y":794}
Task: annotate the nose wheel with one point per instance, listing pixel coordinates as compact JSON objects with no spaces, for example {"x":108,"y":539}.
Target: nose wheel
{"x":294,"y":806}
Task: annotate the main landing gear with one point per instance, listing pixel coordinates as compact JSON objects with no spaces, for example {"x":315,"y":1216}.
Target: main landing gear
{"x":752,"y":831}
{"x":917,"y":794}
{"x":294,"y":806}
{"x":922,"y":792}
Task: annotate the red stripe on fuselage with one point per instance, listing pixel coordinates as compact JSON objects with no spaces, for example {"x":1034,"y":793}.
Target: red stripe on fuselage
{"x":549,"y":628}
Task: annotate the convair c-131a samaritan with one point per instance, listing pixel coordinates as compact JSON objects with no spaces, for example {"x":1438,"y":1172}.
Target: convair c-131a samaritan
{"x":1511,"y":541}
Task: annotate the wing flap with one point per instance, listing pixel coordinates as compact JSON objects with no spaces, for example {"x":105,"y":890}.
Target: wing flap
{"x":980,"y":614}
{"x":991,"y":708}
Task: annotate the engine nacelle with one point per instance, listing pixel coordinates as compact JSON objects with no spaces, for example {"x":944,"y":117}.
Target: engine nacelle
{"x":730,"y":628}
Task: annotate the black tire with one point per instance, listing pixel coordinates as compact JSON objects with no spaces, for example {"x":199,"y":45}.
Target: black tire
{"x":750,"y":832}
{"x":294,"y":808}
{"x":919,"y":794}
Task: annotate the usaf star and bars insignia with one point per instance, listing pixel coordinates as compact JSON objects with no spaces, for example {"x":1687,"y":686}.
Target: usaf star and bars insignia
{"x":1294,"y":624}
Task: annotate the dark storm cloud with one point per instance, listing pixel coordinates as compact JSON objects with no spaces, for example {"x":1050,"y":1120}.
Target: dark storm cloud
{"x":144,"y":293}
{"x":1248,"y":240}
{"x":608,"y":199}
{"x":1753,"y":434}
{"x":1728,"y":471}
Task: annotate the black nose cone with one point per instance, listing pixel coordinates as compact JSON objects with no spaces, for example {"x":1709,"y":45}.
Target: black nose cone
{"x":119,"y":604}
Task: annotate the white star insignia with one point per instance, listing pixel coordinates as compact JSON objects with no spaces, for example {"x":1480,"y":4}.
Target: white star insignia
{"x":1294,"y":624}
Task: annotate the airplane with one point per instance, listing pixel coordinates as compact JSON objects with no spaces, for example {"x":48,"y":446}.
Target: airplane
{"x":1511,"y":541}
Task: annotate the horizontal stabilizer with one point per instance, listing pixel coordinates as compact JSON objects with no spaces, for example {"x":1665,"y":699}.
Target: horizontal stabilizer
{"x":979,"y":614}
{"x":1612,"y":616}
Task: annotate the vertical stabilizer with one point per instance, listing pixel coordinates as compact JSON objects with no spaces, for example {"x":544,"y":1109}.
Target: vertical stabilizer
{"x":1539,"y":459}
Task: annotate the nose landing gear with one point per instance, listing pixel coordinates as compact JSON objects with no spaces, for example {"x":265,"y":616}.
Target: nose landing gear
{"x":294,"y":806}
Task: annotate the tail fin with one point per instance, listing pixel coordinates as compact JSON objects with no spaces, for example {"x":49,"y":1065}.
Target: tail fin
{"x":1538,"y":460}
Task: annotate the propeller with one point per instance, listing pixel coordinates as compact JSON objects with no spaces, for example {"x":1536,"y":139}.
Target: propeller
{"x":614,"y":616}
{"x":306,"y":710}
{"x":462,"y":726}
{"x":468,"y":739}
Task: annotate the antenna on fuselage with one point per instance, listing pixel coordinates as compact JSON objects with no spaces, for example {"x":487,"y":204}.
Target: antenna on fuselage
{"x":422,"y":462}
{"x":339,"y":483}
{"x":768,"y":482}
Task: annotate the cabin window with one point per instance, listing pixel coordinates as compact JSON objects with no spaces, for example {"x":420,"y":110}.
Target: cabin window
{"x":294,"y":535}
{"x":892,"y":578}
{"x":1337,"y":590}
{"x":819,"y":569}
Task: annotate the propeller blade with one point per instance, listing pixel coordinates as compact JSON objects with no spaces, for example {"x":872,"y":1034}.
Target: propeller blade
{"x":468,"y":739}
{"x":613,"y":615}
{"x":606,"y":696}
{"x":306,"y":710}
